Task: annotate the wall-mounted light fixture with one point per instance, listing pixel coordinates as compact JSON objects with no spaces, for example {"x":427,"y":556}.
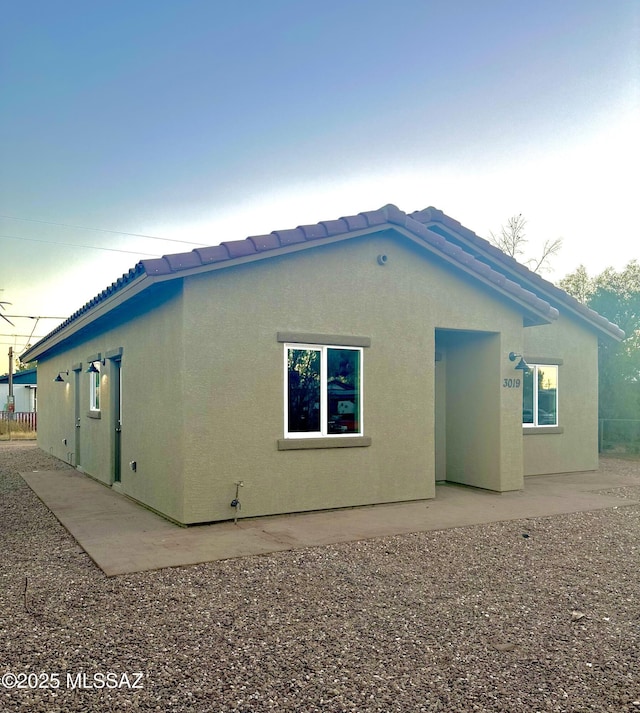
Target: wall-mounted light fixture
{"x":522,"y":364}
{"x":59,"y":377}
{"x":92,"y":368}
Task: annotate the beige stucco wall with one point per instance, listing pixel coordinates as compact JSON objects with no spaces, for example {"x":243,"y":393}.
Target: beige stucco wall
{"x":203,"y":386}
{"x":150,"y":336}
{"x":234,"y":381}
{"x":574,"y":445}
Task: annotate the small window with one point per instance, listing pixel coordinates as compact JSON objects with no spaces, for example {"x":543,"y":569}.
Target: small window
{"x":94,"y":388}
{"x":540,"y":396}
{"x":323,"y":391}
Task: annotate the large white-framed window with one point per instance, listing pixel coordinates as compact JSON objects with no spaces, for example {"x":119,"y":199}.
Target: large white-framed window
{"x":322,"y":391}
{"x":540,"y":395}
{"x":94,"y":388}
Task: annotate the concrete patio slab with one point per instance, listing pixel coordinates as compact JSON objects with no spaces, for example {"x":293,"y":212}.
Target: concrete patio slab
{"x":123,"y":537}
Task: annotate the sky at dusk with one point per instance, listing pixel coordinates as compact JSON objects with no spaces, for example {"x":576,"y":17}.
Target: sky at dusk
{"x":198,"y":121}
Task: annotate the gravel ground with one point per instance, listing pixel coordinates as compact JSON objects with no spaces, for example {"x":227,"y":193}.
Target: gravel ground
{"x":532,"y":615}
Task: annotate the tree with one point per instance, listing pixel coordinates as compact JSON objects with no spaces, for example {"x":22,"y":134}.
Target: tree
{"x":579,"y":285}
{"x":6,"y":319}
{"x":616,"y":296}
{"x":512,"y":240}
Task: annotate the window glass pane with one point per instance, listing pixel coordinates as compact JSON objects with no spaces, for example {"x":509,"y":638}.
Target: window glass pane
{"x":547,"y":395}
{"x":94,"y":390}
{"x":527,"y":396}
{"x":303,"y":390}
{"x":343,"y":391}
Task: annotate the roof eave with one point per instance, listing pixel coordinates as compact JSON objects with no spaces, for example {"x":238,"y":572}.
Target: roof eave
{"x":57,"y":337}
{"x":538,"y":284}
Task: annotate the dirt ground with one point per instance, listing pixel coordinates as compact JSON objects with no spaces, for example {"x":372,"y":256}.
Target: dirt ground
{"x":541,"y":614}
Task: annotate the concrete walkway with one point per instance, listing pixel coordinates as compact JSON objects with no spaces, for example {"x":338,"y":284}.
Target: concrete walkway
{"x":123,"y":537}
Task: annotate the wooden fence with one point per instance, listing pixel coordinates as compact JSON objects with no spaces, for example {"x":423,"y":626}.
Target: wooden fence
{"x":24,"y":419}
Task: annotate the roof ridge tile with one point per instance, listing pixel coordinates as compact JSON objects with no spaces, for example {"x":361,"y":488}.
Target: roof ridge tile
{"x":183,"y":261}
{"x":313,"y":231}
{"x":394,"y":215}
{"x":156,"y":266}
{"x":374,"y":217}
{"x":290,"y":236}
{"x":239,"y":248}
{"x":335,"y":227}
{"x":355,"y":222}
{"x":263,"y":243}
{"x":215,"y":253}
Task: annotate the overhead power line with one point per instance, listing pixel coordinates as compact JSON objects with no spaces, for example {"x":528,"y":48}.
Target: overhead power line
{"x":28,"y":316}
{"x":103,"y":230}
{"x":75,"y":245}
{"x":22,"y":336}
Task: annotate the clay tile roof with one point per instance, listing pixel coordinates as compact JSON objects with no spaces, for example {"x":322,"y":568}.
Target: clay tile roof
{"x":183,"y":261}
{"x":436,"y":240}
{"x":313,"y":232}
{"x":483,"y":269}
{"x":517,"y":270}
{"x":374,"y":217}
{"x":239,"y":248}
{"x":290,"y":237}
{"x":217,"y":253}
{"x":451,"y":249}
{"x":512,"y":278}
{"x":356,"y":222}
{"x":156,"y":266}
{"x":265,"y":242}
{"x":335,"y":227}
{"x":394,"y":215}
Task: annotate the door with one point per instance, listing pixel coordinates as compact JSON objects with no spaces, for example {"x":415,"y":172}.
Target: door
{"x":116,"y":425}
{"x":76,"y":387}
{"x":440,"y":416}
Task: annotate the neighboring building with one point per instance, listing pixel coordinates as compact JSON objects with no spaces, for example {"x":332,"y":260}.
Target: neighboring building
{"x":350,"y":362}
{"x":25,"y":391}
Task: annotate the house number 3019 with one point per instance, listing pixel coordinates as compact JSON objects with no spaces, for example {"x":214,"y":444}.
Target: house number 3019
{"x":511,"y":383}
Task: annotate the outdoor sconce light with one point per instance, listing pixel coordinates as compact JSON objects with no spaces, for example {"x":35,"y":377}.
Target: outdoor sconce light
{"x":59,"y":377}
{"x":92,"y":368}
{"x":522,"y":364}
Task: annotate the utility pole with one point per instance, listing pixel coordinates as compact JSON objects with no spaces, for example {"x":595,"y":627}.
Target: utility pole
{"x":11,"y":403}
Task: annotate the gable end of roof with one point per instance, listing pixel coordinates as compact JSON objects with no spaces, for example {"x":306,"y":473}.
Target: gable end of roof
{"x":497,"y":257}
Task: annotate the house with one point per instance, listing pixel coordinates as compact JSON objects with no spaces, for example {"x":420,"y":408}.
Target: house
{"x":350,"y":362}
{"x":25,"y":389}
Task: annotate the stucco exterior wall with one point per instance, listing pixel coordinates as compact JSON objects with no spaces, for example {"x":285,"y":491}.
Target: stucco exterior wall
{"x":150,"y":335}
{"x":234,"y":379}
{"x":574,"y":445}
{"x":203,"y":385}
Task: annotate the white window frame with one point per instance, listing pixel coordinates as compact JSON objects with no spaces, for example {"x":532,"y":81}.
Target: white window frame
{"x":535,"y":424}
{"x":323,"y":432}
{"x":94,"y":388}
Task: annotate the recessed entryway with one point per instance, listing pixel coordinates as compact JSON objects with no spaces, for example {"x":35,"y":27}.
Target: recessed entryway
{"x":467,"y":407}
